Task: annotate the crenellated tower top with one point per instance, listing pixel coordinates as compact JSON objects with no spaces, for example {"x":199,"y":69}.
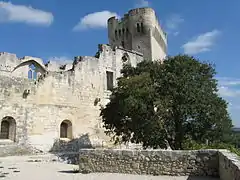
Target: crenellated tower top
{"x":139,"y":30}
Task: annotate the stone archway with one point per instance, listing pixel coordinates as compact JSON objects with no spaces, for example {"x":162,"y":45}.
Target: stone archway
{"x":66,"y":129}
{"x":8,"y":128}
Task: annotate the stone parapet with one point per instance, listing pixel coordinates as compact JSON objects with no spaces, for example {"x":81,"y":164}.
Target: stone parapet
{"x":229,"y":165}
{"x":215,"y":163}
{"x":154,"y":162}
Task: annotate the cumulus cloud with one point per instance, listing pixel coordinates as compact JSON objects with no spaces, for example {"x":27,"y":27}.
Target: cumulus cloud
{"x":94,"y":20}
{"x":202,"y":43}
{"x":141,"y":3}
{"x":172,"y":24}
{"x":24,"y":14}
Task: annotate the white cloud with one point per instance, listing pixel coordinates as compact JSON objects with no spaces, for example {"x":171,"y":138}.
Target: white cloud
{"x":227,"y":81}
{"x":228,"y":92}
{"x":201,"y":43}
{"x":61,"y":60}
{"x":142,"y":3}
{"x":173,"y":23}
{"x":24,"y":14}
{"x":229,"y":87}
{"x":94,"y":20}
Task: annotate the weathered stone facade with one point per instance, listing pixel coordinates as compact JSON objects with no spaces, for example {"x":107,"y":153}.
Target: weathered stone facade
{"x":215,"y":163}
{"x":41,"y":103}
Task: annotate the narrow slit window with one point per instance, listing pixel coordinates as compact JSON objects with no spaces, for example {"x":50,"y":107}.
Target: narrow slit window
{"x":142,"y":28}
{"x":123,"y":45}
{"x":116,"y":34}
{"x":109,"y":80}
{"x":138,"y":28}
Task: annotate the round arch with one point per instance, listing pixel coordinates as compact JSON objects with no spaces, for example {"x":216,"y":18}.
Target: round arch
{"x":66,"y":129}
{"x":8,"y":128}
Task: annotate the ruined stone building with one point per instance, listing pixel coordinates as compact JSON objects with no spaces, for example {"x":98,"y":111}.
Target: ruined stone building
{"x":41,"y":103}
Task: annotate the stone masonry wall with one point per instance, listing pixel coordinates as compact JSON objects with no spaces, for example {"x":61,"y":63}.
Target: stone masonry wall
{"x":154,"y":162}
{"x":58,"y":96}
{"x":229,"y":166}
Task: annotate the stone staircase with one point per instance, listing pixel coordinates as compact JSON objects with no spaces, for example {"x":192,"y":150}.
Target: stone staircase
{"x":8,"y":148}
{"x":11,"y":151}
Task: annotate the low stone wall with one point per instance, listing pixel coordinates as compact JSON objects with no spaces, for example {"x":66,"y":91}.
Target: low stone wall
{"x":229,"y":166}
{"x":154,"y":162}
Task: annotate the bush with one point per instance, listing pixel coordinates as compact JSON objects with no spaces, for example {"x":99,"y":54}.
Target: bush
{"x":192,"y":145}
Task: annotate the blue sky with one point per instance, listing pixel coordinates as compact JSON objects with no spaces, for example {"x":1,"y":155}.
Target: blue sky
{"x":61,"y":29}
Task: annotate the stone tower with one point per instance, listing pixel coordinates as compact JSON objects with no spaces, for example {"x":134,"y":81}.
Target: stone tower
{"x":139,"y":30}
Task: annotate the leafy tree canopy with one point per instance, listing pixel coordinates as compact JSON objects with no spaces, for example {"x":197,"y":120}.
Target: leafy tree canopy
{"x":172,"y":102}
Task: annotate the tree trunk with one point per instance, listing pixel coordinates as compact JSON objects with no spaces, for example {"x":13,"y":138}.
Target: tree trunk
{"x":179,"y":134}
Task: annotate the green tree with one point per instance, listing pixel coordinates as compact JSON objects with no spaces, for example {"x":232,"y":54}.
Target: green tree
{"x":167,"y":103}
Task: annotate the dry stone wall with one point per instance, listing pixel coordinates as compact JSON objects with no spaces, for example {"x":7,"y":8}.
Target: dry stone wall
{"x":154,"y":162}
{"x":216,"y":163}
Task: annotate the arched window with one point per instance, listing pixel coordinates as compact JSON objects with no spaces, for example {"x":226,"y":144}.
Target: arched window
{"x":66,"y":129}
{"x":119,"y":32}
{"x":127,"y":32}
{"x":32,"y":73}
{"x":8,"y":128}
{"x":138,"y":28}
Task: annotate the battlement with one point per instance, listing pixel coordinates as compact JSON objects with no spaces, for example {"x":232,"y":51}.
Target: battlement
{"x":140,"y":11}
{"x":132,"y":12}
{"x":138,"y":30}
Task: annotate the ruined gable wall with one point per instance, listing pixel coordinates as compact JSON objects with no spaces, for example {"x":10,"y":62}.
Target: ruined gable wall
{"x":62,"y":96}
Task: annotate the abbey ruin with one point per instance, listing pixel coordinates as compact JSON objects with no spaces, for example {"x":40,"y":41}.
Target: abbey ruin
{"x":41,"y":103}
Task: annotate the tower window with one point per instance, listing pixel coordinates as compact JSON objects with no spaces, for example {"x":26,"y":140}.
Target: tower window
{"x":123,"y":30}
{"x":123,"y":45}
{"x":119,"y":32}
{"x":116,"y":34}
{"x":127,"y":32}
{"x":138,"y":28}
{"x":109,"y":80}
{"x":142,"y":28}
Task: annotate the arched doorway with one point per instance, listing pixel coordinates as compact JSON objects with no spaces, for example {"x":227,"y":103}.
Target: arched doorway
{"x":66,"y":129}
{"x":8,"y":128}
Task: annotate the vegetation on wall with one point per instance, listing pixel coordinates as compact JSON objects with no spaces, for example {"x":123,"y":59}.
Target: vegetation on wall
{"x":172,"y":103}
